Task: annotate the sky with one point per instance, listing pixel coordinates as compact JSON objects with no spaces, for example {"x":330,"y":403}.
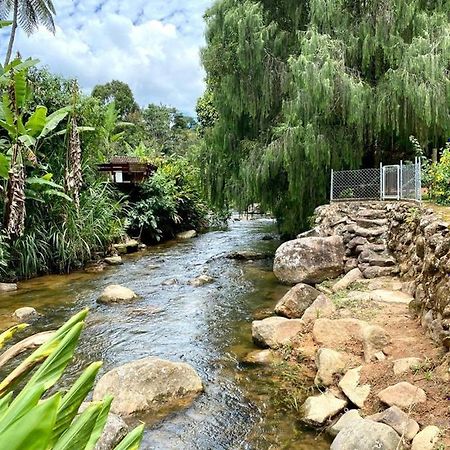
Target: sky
{"x":153,"y":45}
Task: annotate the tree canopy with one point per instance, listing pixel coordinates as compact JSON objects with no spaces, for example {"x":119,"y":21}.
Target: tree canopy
{"x":303,"y":87}
{"x":120,"y":93}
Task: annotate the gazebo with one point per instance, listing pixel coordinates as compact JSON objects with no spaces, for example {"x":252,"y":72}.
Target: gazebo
{"x":127,"y":169}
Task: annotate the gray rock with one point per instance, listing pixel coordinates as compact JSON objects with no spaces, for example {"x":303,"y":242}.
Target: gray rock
{"x":114,"y":260}
{"x":345,"y":420}
{"x":116,"y":293}
{"x":202,"y":280}
{"x":403,"y":395}
{"x":25,"y":313}
{"x":187,"y":234}
{"x":321,"y":307}
{"x":115,"y":430}
{"x":316,"y":410}
{"x":296,"y":301}
{"x":274,"y":332}
{"x":366,"y":435}
{"x":309,"y":260}
{"x":406,"y":364}
{"x":350,"y":387}
{"x":147,"y":385}
{"x":329,"y":362}
{"x":398,"y":420}
{"x":375,"y":272}
{"x":426,"y":439}
{"x":8,"y":287}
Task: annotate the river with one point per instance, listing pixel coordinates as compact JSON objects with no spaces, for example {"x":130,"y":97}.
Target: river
{"x":208,"y":327}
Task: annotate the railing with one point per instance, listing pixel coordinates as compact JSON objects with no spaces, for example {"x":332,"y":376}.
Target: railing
{"x":392,"y":182}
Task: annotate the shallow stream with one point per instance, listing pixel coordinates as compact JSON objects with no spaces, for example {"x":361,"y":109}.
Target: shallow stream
{"x":208,"y":327}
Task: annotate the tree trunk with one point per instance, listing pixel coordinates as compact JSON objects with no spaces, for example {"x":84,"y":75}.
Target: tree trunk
{"x":13,"y":32}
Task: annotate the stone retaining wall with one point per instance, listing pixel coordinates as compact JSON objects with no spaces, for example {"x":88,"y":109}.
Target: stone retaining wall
{"x":397,"y":238}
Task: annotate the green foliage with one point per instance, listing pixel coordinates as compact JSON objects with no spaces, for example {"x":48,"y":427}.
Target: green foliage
{"x":33,"y":420}
{"x":168,"y":202}
{"x":118,"y":92}
{"x":206,"y":112}
{"x":437,"y":178}
{"x":304,"y":87}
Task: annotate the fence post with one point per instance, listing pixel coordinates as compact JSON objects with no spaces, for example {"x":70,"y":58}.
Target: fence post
{"x":381,"y":182}
{"x":419,"y":178}
{"x":331,"y":185}
{"x":400,"y":184}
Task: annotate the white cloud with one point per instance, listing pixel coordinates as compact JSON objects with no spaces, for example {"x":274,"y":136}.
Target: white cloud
{"x":153,"y":46}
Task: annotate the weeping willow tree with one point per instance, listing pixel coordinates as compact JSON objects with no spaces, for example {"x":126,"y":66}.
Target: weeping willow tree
{"x":303,"y":87}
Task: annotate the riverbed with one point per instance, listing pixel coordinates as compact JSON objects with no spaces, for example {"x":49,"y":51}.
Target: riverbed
{"x":208,"y":327}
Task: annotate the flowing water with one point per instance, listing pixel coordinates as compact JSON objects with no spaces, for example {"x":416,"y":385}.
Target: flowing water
{"x":208,"y":327}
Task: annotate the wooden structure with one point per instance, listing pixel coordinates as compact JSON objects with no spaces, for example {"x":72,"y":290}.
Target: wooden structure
{"x":127,"y":169}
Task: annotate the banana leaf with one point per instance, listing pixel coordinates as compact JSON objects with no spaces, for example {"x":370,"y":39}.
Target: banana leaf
{"x":132,"y":440}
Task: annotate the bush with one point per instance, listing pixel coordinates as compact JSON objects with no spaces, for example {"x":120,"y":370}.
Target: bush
{"x":437,"y":178}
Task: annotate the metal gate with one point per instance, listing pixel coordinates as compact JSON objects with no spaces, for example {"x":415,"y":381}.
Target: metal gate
{"x":390,"y":187}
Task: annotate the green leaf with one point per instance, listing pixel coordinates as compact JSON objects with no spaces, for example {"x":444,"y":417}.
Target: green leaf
{"x":42,"y":352}
{"x":74,"y":397}
{"x":23,"y":403}
{"x":7,"y":113}
{"x":79,"y":433}
{"x":100,"y":423}
{"x":18,"y":66}
{"x":10,"y":332}
{"x":4,"y":403}
{"x":33,"y":430}
{"x":54,"y":193}
{"x":27,"y":140}
{"x":37,"y":121}
{"x":43,"y":181}
{"x":53,"y":121}
{"x":20,"y":88}
{"x":5,"y":23}
{"x":80,"y":130}
{"x":132,"y":440}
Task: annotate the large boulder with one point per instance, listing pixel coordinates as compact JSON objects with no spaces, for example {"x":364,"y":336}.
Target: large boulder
{"x":316,"y":410}
{"x":274,"y":332}
{"x":296,"y":301}
{"x":116,"y":294}
{"x":403,"y":395}
{"x":366,"y":435}
{"x":147,"y":385}
{"x":309,"y":260}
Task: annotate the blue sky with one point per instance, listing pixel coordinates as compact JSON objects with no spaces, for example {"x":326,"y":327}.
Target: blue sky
{"x":153,"y":45}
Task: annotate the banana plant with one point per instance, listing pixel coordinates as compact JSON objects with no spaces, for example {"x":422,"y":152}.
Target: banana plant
{"x":33,"y":420}
{"x":26,"y":131}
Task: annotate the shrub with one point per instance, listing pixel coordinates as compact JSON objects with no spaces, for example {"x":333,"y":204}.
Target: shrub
{"x":437,"y":178}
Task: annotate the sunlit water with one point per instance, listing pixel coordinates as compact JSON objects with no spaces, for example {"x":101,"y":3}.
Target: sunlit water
{"x":208,"y":327}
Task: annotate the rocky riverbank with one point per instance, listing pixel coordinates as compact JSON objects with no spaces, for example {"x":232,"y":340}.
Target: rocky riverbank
{"x":352,"y":320}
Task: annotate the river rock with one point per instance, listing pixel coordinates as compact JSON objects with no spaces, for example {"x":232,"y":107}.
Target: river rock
{"x":348,"y":279}
{"x":376,"y":272}
{"x":321,"y":307}
{"x":345,"y":420}
{"x":202,"y":280}
{"x":115,"y":430}
{"x":263,"y":357}
{"x":350,"y":387}
{"x":399,"y":421}
{"x":187,"y":234}
{"x":148,"y":384}
{"x":131,"y":246}
{"x":114,"y":260}
{"x":403,"y":395}
{"x":366,"y":435}
{"x":337,"y":333}
{"x":316,"y":410}
{"x":8,"y":287}
{"x":329,"y":362}
{"x":25,"y":313}
{"x":249,"y":255}
{"x":426,"y":439}
{"x":116,"y":293}
{"x":296,"y":301}
{"x":406,"y":364}
{"x":309,"y":260}
{"x":274,"y":332}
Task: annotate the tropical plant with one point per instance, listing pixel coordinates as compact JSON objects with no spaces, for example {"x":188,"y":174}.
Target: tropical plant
{"x":119,"y":93}
{"x":26,"y":131}
{"x":39,"y":418}
{"x":29,"y":15}
{"x":437,"y":177}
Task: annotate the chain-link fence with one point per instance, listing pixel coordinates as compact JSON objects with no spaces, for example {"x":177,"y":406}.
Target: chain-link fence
{"x":393,"y":182}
